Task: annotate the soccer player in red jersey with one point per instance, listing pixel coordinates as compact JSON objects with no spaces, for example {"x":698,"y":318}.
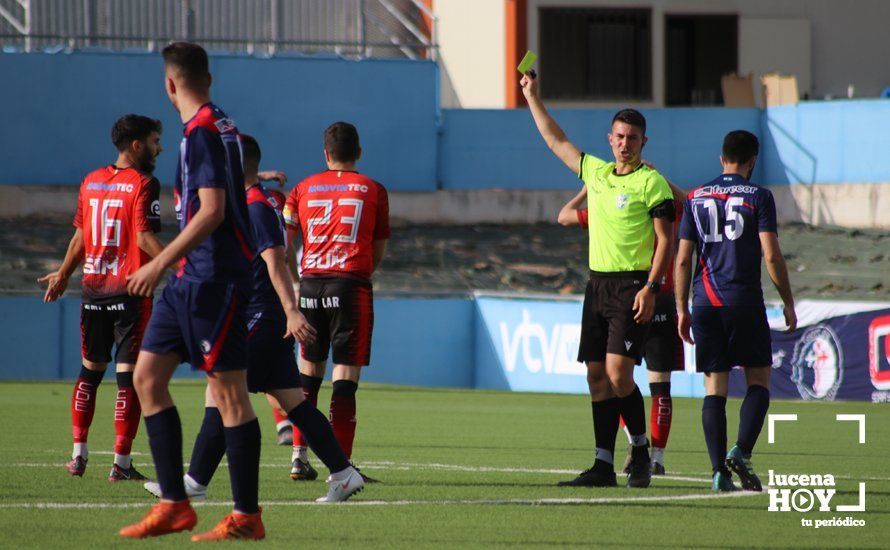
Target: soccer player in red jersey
{"x":118,"y":213}
{"x":201,"y":314}
{"x":275,"y":323}
{"x":343,"y":218}
{"x":663,"y":350}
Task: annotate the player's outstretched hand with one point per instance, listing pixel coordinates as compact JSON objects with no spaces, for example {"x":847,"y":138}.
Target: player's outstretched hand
{"x":298,"y":327}
{"x":644,"y":305}
{"x":529,"y":85}
{"x":684,"y":324}
{"x":55,"y":286}
{"x":145,"y":280}
{"x":790,"y":318}
{"x":277,"y":175}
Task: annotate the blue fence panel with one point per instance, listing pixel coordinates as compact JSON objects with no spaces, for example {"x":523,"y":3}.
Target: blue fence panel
{"x":61,"y":107}
{"x":502,"y":148}
{"x":827,"y":142}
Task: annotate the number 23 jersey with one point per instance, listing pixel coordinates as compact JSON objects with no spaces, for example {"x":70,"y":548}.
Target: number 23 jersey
{"x":339,"y":214}
{"x":724,"y":218}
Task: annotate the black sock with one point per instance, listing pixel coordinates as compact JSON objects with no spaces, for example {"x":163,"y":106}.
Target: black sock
{"x":605,"y":428}
{"x":311,"y":384}
{"x":713,"y":420}
{"x":165,"y":439}
{"x":210,"y":446}
{"x":633,"y":411}
{"x":660,"y":388}
{"x":93,"y":377}
{"x":319,"y":435}
{"x":124,"y":379}
{"x":751,"y":417}
{"x":243,"y":451}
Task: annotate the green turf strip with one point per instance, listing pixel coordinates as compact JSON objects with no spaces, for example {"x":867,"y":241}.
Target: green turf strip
{"x":459,"y":468}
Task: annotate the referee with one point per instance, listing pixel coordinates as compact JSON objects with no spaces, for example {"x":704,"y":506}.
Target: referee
{"x":628,"y":204}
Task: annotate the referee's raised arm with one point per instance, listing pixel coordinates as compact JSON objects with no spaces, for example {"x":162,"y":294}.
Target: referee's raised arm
{"x":553,"y":135}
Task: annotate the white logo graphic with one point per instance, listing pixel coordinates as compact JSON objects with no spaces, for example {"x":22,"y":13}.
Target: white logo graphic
{"x":557,"y":350}
{"x":628,"y":344}
{"x":156,"y":208}
{"x":621,"y":200}
{"x":205,"y":347}
{"x":817,"y":365}
{"x":813,"y":492}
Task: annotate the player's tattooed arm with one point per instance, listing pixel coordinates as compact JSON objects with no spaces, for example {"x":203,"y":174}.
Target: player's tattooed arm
{"x":57,"y":281}
{"x":569,"y":213}
{"x":778,"y":273}
{"x":682,"y":279}
{"x":297,"y":325}
{"x":553,"y":135}
{"x":378,"y":250}
{"x":209,"y":216}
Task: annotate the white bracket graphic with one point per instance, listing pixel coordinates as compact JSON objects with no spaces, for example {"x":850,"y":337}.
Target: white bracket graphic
{"x":771,"y":424}
{"x":858,"y":507}
{"x":854,"y":418}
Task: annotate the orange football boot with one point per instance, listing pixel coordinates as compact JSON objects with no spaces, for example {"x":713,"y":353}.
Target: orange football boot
{"x":163,"y":518}
{"x":235,"y":526}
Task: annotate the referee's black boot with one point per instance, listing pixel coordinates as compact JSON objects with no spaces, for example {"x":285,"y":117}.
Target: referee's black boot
{"x":640,"y":474}
{"x":601,"y":474}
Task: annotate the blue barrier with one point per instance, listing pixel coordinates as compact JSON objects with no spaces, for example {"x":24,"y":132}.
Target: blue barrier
{"x":61,"y":107}
{"x":502,"y":148}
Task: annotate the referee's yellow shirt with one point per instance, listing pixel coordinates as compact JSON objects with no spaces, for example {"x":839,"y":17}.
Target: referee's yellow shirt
{"x":622,"y":234}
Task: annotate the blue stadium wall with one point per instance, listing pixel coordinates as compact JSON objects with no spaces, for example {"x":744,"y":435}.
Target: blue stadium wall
{"x":59,"y":109}
{"x":842,"y":351}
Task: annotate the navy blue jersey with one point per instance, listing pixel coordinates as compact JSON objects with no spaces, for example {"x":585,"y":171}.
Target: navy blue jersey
{"x":210,"y":157}
{"x":268,"y":232}
{"x":724,"y":219}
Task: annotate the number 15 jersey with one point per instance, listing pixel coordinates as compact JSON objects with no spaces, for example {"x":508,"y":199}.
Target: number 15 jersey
{"x":724,"y":218}
{"x":340,"y":214}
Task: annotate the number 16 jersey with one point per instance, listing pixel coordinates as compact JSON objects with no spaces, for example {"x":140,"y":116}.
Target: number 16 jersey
{"x":724,"y":218}
{"x":340,"y":214}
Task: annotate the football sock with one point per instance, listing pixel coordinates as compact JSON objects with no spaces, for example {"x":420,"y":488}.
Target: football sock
{"x":164,"y":431}
{"x":633,"y":410}
{"x":127,"y":413}
{"x":311,"y":385}
{"x":343,"y":413}
{"x":320,"y":436}
{"x":605,"y":429}
{"x":751,"y":417}
{"x":713,"y":421}
{"x":281,"y":420}
{"x":210,"y":446}
{"x":660,"y":417}
{"x":83,"y":406}
{"x":243,"y":451}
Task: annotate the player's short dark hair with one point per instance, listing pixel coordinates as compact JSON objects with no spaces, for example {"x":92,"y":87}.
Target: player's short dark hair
{"x":251,"y":150}
{"x":740,"y":146}
{"x":341,"y":142}
{"x":189,"y":59}
{"x":632,"y":117}
{"x":130,"y":128}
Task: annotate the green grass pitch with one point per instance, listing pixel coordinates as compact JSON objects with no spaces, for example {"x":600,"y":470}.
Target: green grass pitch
{"x":459,"y":469}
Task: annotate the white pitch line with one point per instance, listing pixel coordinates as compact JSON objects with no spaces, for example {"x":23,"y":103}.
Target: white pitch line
{"x":457,"y":502}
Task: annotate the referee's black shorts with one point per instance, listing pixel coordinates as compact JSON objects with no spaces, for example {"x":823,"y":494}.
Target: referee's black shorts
{"x":607,"y":323}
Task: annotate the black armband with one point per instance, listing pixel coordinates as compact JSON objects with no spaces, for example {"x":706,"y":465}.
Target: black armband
{"x":664,"y":210}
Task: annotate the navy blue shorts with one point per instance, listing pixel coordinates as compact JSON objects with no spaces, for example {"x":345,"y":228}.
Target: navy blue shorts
{"x":272,"y":360}
{"x":204,"y":323}
{"x":730,"y":336}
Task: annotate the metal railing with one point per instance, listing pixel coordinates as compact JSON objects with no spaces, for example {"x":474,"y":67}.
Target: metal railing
{"x":351,"y":28}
